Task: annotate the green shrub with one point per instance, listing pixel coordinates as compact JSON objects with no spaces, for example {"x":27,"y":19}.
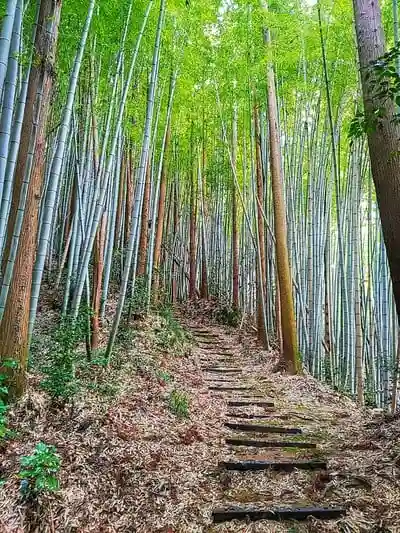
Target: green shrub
{"x":228,"y":316}
{"x":60,"y":381}
{"x":178,"y":403}
{"x":39,"y":471}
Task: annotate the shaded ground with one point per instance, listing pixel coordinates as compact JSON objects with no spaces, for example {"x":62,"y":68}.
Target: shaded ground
{"x":130,"y":465}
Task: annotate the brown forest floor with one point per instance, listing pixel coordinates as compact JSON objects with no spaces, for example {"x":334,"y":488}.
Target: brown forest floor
{"x":130,"y":465}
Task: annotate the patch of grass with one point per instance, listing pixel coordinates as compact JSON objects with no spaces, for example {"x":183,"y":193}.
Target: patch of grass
{"x":178,"y":403}
{"x":171,"y":335}
{"x":137,"y":304}
{"x":4,"y":430}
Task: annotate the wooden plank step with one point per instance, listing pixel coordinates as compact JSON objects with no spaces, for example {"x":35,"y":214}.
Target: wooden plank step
{"x":251,"y":403}
{"x":219,"y":380}
{"x":270,"y":444}
{"x":223,"y":370}
{"x":222,"y":388}
{"x":222,"y":354}
{"x":254,"y":513}
{"x":251,"y":416}
{"x":245,"y":465}
{"x":257,"y":428}
{"x":214,"y":362}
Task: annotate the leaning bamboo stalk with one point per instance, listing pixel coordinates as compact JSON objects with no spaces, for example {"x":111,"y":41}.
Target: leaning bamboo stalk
{"x":139,"y":183}
{"x":104,"y":186}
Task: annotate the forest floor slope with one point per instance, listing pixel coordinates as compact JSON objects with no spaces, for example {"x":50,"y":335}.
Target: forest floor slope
{"x":140,"y":446}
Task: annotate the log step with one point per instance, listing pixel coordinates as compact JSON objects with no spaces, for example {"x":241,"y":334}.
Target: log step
{"x":251,"y":403}
{"x":257,"y":428}
{"x":246,"y":465}
{"x":279,"y":513}
{"x":270,"y":444}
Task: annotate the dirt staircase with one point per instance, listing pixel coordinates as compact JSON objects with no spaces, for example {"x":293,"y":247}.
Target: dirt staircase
{"x":250,"y":418}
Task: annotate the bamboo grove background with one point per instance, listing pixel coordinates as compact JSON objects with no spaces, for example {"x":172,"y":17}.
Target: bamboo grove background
{"x":154,"y":179}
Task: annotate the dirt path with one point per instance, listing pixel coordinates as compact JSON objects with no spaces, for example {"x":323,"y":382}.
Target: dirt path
{"x":313,"y":452}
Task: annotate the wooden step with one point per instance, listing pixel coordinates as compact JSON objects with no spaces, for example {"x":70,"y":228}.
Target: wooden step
{"x":257,"y":428}
{"x":222,"y":370}
{"x":270,"y":444}
{"x":254,"y":513}
{"x":227,"y":389}
{"x":247,"y":403}
{"x":252,"y":416}
{"x":222,"y":354}
{"x":219,"y":380}
{"x":245,"y":465}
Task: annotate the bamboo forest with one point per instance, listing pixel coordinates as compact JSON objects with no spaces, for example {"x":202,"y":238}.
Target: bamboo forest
{"x":199,"y":266}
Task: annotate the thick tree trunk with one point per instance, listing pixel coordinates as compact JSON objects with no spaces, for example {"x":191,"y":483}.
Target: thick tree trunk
{"x":144,"y":228}
{"x":15,"y":322}
{"x":290,"y":356}
{"x":262,"y":272}
{"x":383,"y":140}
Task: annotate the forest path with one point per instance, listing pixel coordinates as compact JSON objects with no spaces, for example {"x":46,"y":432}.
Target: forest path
{"x":296,"y":456}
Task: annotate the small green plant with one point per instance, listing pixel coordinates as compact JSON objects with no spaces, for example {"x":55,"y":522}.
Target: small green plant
{"x":163,"y":377}
{"x":99,"y":358}
{"x":178,"y":403}
{"x":39,"y":471}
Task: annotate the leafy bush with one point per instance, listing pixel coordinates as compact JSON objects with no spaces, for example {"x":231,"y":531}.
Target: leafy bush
{"x":228,"y":315}
{"x":39,"y":471}
{"x":178,"y":403}
{"x":60,"y":381}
